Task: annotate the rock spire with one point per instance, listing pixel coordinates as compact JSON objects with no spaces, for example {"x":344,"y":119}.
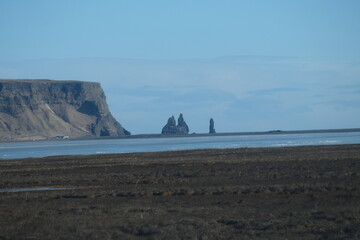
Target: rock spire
{"x":172,"y":129}
{"x":212,"y":127}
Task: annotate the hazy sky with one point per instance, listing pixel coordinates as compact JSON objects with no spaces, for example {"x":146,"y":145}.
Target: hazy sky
{"x":250,"y":65}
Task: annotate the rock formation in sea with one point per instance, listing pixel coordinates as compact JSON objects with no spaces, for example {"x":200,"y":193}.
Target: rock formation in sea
{"x":212,"y":127}
{"x":44,"y":109}
{"x":182,"y":126}
{"x":172,"y":129}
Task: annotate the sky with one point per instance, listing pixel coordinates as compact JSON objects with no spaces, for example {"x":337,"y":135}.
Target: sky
{"x":249,"y":65}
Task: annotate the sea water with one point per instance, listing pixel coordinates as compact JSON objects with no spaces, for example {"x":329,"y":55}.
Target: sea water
{"x":129,"y":145}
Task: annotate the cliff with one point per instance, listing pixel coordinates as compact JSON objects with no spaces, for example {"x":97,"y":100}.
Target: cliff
{"x":44,"y":109}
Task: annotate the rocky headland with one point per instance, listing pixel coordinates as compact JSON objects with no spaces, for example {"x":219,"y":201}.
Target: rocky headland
{"x":45,"y":109}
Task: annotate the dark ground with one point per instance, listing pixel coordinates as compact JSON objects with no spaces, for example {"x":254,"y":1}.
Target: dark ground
{"x":265,"y":193}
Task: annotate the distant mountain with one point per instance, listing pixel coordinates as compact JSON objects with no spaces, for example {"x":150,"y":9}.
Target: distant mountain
{"x":44,"y":109}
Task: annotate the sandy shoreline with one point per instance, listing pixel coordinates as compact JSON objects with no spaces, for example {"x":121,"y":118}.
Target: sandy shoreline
{"x":252,"y":193}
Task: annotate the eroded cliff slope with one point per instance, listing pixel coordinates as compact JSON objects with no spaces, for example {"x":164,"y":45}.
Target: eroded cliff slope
{"x":43,"y":109}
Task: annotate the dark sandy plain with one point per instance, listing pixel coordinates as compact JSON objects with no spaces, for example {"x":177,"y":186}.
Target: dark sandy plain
{"x":265,"y":193}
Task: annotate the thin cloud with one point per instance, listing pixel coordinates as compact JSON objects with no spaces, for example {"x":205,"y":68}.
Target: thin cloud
{"x":271,"y":91}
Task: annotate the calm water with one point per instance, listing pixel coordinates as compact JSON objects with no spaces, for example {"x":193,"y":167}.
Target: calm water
{"x":86,"y":147}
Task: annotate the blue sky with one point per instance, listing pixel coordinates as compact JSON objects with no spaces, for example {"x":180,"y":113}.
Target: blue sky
{"x":250,"y":65}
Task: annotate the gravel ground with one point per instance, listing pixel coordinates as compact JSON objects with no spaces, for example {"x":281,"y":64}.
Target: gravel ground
{"x":265,"y":193}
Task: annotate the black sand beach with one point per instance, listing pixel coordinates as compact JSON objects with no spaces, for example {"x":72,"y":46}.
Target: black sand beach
{"x":265,"y":193}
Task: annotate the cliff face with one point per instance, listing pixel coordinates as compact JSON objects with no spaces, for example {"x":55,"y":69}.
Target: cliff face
{"x":42,"y":109}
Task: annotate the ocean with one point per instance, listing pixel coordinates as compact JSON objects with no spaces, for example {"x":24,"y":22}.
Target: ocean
{"x":11,"y":150}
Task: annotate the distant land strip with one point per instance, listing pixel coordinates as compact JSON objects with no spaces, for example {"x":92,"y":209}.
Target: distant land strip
{"x":271,"y":132}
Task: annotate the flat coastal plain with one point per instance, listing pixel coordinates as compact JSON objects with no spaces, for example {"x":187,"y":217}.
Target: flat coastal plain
{"x":251,"y":193}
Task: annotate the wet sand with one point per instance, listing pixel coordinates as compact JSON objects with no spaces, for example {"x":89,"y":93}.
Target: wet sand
{"x":264,"y":193}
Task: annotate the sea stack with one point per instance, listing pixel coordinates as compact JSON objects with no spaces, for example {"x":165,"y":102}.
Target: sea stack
{"x":172,"y":129}
{"x":211,"y":127}
{"x":46,"y":109}
{"x":182,"y":126}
